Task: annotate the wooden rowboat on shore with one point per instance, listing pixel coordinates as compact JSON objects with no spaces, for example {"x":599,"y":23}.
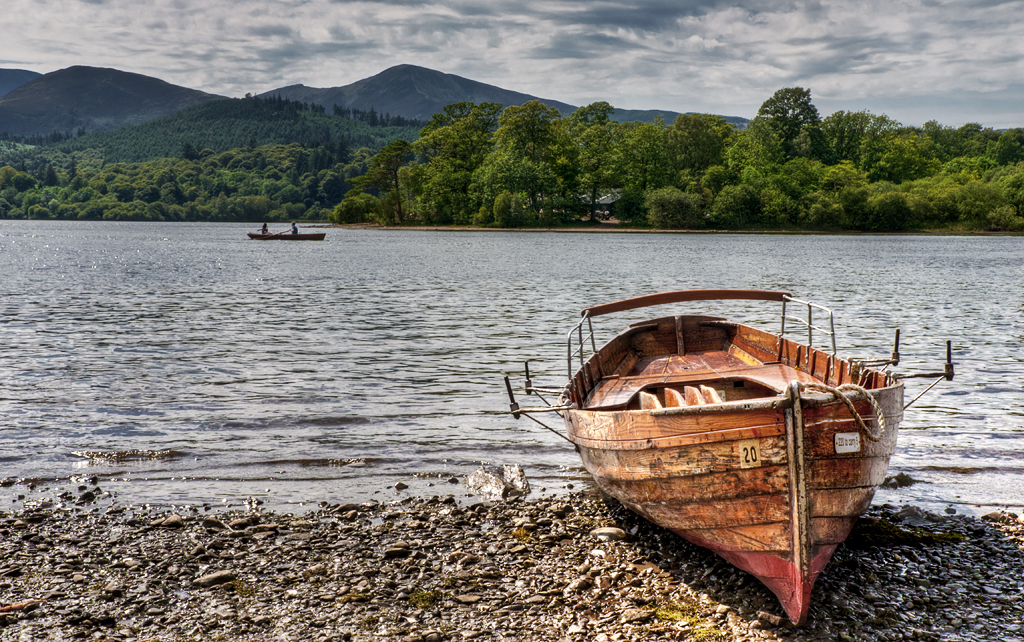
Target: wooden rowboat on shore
{"x":287,"y":237}
{"x":757,"y":447}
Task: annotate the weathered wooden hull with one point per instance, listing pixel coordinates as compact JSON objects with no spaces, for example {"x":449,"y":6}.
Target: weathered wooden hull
{"x":756,"y":479}
{"x":287,"y":237}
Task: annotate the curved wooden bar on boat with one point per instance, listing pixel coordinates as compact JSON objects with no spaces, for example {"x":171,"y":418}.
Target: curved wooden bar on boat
{"x":734,"y":438}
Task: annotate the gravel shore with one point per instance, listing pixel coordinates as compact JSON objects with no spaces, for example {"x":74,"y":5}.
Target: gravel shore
{"x":426,"y":570}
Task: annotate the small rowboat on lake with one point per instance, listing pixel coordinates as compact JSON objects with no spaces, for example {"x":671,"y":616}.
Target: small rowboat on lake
{"x":757,"y":447}
{"x":287,"y":236}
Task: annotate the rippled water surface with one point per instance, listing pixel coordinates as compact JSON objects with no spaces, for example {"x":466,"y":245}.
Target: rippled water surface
{"x":184,"y":363}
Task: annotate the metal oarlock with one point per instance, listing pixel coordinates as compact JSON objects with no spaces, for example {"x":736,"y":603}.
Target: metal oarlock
{"x":532,"y":389}
{"x":513,"y":406}
{"x":516,"y":411}
{"x":946,"y":374}
{"x":893,"y":360}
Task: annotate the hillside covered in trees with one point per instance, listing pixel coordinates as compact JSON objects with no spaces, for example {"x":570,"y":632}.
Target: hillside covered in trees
{"x":480,"y":164}
{"x":218,"y":126}
{"x":266,"y":183}
{"x":790,"y":169}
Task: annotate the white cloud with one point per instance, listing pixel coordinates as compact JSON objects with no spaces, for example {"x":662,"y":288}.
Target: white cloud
{"x":913,"y":59}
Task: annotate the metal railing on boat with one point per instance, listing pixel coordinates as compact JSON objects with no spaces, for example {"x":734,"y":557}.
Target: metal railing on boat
{"x":809,"y":323}
{"x":577,"y":337}
{"x":579,"y":350}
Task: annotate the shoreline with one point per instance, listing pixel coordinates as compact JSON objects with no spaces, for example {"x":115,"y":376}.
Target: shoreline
{"x":615,"y":228}
{"x":427,"y":570}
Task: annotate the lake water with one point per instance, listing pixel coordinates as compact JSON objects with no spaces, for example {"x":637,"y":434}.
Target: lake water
{"x":294,"y":373}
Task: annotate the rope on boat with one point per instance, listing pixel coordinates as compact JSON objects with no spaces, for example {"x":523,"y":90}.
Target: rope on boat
{"x":840,"y":393}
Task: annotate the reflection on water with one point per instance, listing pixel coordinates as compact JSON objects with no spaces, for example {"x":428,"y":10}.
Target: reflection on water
{"x":300,"y":372}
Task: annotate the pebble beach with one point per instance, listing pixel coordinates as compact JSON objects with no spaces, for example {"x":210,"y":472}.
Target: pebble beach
{"x":431,"y":569}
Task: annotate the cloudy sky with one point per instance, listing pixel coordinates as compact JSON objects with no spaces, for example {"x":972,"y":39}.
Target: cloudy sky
{"x":914,"y":60}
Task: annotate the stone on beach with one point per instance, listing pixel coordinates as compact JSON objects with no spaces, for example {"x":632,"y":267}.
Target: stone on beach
{"x":213,"y":579}
{"x":495,"y":484}
{"x":609,"y":534}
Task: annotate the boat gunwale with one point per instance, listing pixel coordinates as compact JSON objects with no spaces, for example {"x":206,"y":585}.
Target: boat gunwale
{"x":677,"y":441}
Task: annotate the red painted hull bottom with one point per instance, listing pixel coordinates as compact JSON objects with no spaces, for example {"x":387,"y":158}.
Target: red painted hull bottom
{"x":782,"y":577}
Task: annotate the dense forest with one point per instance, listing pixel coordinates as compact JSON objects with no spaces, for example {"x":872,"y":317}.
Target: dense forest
{"x":266,"y":183}
{"x":218,"y":126}
{"x":479,"y":164}
{"x":789,"y":169}
{"x":250,"y":159}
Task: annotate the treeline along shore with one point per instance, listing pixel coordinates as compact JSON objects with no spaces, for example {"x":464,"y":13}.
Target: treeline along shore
{"x":436,"y":569}
{"x":530,"y":166}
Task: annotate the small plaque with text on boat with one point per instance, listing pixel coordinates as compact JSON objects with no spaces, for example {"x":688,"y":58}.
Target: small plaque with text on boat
{"x":847,"y":442}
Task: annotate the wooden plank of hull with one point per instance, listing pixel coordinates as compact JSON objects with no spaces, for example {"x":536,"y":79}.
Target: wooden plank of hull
{"x":831,"y":530}
{"x":639,"y":425}
{"x":771,"y":538}
{"x":846,"y":473}
{"x":839,"y":502}
{"x":699,"y":488}
{"x":728,"y":513}
{"x":763,"y":552}
{"x":698,"y":459}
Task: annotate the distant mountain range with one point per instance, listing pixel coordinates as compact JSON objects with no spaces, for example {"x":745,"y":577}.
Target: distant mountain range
{"x":11,"y":79}
{"x":418,"y":92}
{"x":410,"y":91}
{"x":96,"y":99}
{"x":93,"y":99}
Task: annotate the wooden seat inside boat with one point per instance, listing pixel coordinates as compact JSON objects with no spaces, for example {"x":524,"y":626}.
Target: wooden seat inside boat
{"x":698,"y":364}
{"x":690,"y":380}
{"x":699,"y":395}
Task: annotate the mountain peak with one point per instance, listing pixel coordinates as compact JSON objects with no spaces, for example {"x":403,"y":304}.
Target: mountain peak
{"x":417,"y":92}
{"x":410,"y":91}
{"x":93,"y":98}
{"x":11,"y":79}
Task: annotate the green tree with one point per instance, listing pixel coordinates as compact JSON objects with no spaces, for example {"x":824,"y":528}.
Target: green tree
{"x":756,"y":152}
{"x":843,"y":175}
{"x":845,"y":133}
{"x":696,"y":142}
{"x":382,"y":176}
{"x":595,"y":139}
{"x":736,"y":207}
{"x":947,"y":143}
{"x":887,"y":212}
{"x":897,"y":159}
{"x":1009,"y":148}
{"x":522,"y":160}
{"x":630,"y":208}
{"x":455,"y":143}
{"x":642,"y":158}
{"x":672,"y":208}
{"x":356,"y":207}
{"x":788,"y":113}
{"x":527,"y":130}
